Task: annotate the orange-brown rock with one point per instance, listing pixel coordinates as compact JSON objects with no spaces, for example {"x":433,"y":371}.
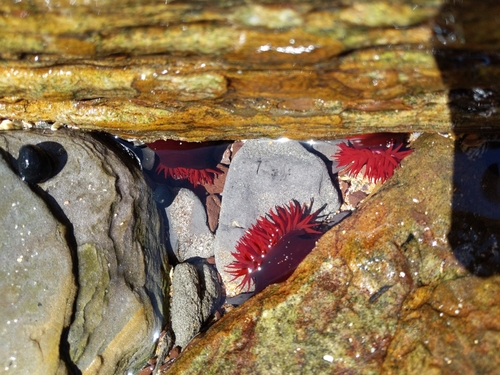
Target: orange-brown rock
{"x":300,"y":69}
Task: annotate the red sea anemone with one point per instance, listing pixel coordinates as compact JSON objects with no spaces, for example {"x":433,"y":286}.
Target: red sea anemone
{"x":273,"y":247}
{"x":194,"y":162}
{"x":379,"y":153}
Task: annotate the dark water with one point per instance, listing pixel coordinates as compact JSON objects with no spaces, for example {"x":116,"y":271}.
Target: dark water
{"x":475,"y":230}
{"x":465,"y":48}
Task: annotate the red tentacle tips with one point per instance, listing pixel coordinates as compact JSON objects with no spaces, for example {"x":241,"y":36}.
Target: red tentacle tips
{"x":194,"y":176}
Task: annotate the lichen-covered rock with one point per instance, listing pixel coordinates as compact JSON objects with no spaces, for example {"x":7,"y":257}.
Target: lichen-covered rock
{"x":452,"y":326}
{"x":381,"y":292}
{"x":265,"y":174}
{"x":37,"y":284}
{"x":113,"y":234}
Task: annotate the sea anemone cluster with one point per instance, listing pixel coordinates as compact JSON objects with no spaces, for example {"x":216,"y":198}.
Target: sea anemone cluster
{"x":274,"y":246}
{"x":379,"y":153}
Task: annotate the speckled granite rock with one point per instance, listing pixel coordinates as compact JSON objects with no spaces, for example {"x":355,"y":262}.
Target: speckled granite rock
{"x":381,"y":292}
{"x":36,"y":306}
{"x":196,"y":294}
{"x":265,"y":174}
{"x":189,"y":233}
{"x":114,"y":232}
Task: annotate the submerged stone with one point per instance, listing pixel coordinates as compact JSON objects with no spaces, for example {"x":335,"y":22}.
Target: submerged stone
{"x":262,"y":175}
{"x":189,"y":235}
{"x":196,"y":294}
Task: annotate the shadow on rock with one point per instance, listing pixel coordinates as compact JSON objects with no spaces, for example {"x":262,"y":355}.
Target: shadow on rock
{"x":465,"y":44}
{"x":475,"y":231}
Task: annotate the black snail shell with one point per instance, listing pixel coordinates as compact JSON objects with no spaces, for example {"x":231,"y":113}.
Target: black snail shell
{"x":35,"y":164}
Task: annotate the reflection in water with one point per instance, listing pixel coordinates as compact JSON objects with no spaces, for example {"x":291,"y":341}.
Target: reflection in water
{"x":465,"y":45}
{"x":475,"y":232}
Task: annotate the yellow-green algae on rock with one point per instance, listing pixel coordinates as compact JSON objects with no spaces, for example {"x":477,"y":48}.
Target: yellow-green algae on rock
{"x":382,"y":298}
{"x":232,"y":69}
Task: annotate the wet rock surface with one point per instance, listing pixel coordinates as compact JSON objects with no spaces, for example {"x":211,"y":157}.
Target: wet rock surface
{"x":382,"y":291}
{"x":464,"y":314}
{"x":189,"y":233}
{"x":196,"y":294}
{"x":109,"y":239}
{"x":266,"y":174}
{"x":301,"y":69}
{"x":36,"y":306}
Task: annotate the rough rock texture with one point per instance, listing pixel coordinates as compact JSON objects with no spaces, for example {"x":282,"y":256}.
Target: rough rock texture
{"x":453,"y":326}
{"x":36,"y":306}
{"x":114,"y":232}
{"x":234,"y":69}
{"x":381,"y":292}
{"x":265,"y":174}
{"x":189,"y":233}
{"x":196,"y":294}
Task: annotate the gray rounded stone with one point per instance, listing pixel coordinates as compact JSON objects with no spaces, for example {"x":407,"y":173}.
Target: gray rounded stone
{"x":37,"y":286}
{"x":196,"y":294}
{"x":265,"y":174}
{"x":189,"y":233}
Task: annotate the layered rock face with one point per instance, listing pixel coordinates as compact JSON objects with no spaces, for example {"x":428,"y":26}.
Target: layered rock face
{"x":83,"y":266}
{"x":231,"y":70}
